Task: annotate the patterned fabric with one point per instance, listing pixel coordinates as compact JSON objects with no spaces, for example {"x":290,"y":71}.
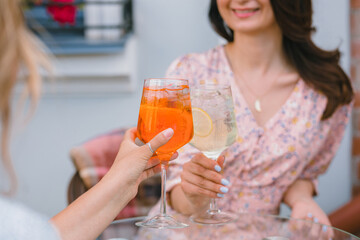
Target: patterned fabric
{"x":93,"y":159}
{"x":17,"y":222}
{"x":264,"y":162}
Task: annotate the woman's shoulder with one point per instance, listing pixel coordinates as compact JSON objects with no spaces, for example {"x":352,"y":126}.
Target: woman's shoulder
{"x":213,"y":54}
{"x":19,"y":222}
{"x":197,"y":61}
{"x":314,"y":102}
{"x":203,"y":58}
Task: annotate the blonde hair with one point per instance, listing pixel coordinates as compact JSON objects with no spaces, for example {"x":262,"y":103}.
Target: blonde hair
{"x":19,"y":49}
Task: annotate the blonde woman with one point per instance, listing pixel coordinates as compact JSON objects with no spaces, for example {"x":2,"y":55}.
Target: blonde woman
{"x":90,"y":214}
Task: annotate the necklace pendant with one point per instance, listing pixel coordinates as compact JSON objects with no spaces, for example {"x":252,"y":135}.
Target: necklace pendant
{"x":257,"y":105}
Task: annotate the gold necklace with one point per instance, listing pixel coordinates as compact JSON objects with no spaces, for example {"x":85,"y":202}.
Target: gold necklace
{"x":257,"y":102}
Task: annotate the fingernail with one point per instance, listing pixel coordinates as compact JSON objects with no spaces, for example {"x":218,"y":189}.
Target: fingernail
{"x":220,"y":195}
{"x":217,"y":168}
{"x":316,"y":220}
{"x":309,"y":215}
{"x":224,"y":189}
{"x":168,"y":133}
{"x":225,"y":182}
{"x":138,"y":142}
{"x":324,"y":228}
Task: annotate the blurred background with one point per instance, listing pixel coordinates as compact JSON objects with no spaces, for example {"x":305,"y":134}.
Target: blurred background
{"x":98,"y":89}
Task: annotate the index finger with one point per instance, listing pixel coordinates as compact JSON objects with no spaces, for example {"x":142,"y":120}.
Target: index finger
{"x":130,"y":134}
{"x":205,"y":162}
{"x":153,"y":161}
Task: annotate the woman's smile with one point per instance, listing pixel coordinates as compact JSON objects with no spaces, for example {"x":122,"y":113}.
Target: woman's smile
{"x":245,"y":12}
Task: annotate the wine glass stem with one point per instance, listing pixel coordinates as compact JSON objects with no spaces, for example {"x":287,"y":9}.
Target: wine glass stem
{"x":163,"y":190}
{"x":213,"y":206}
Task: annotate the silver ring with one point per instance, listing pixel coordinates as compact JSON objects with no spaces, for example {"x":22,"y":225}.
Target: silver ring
{"x":148,"y":144}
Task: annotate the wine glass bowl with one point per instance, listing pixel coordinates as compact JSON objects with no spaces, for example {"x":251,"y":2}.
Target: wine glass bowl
{"x":165,"y":104}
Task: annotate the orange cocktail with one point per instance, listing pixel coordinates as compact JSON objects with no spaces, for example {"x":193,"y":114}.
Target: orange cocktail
{"x":162,"y":107}
{"x":165,"y":103}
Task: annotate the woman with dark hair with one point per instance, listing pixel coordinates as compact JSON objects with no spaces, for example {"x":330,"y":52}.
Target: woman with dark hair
{"x":292,"y":104}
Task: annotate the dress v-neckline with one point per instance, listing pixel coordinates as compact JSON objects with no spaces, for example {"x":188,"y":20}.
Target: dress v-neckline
{"x":269,"y":123}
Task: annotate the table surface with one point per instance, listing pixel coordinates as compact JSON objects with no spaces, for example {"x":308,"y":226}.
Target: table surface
{"x":248,"y":226}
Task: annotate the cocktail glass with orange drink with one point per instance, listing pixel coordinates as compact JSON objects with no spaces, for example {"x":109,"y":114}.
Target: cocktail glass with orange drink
{"x":165,"y":103}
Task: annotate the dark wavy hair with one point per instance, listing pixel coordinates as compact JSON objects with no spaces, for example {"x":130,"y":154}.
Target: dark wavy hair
{"x":319,"y":68}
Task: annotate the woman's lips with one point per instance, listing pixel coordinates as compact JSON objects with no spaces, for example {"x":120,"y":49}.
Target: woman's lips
{"x":245,"y":13}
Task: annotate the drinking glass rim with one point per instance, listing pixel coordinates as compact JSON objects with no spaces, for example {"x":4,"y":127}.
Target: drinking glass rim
{"x":211,"y":87}
{"x":171,"y":79}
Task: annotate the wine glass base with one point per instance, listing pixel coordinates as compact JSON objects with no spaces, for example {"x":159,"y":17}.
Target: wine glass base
{"x":161,"y":222}
{"x":216,"y":217}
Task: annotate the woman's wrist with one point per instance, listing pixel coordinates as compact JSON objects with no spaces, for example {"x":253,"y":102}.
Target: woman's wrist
{"x":119,"y":182}
{"x":300,"y":190}
{"x":176,"y":197}
{"x":180,"y":202}
{"x":301,"y":199}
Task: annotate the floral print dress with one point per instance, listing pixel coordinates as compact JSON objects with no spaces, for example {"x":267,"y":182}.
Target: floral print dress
{"x":264,"y":161}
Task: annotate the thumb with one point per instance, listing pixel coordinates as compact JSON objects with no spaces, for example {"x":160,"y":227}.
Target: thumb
{"x":160,"y":140}
{"x":221,"y":161}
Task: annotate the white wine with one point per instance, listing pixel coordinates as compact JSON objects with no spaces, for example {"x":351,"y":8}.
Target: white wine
{"x":222,"y":135}
{"x":214,"y":120}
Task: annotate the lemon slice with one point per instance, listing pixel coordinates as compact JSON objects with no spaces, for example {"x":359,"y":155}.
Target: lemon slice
{"x":202,"y":122}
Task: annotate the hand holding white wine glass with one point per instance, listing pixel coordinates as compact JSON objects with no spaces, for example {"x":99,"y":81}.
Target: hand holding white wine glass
{"x":214,"y":130}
